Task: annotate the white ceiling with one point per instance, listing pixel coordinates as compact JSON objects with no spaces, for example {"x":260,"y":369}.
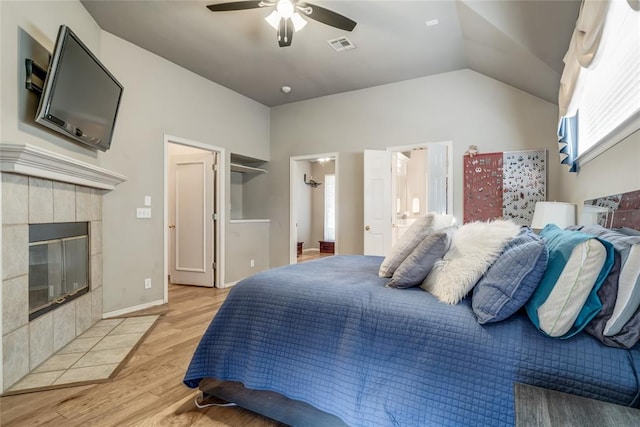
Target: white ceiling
{"x":518,"y":42}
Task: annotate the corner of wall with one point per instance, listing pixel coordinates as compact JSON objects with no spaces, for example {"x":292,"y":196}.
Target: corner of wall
{"x":1,"y":276}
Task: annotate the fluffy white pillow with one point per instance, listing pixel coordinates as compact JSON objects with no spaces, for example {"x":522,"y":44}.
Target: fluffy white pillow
{"x":474,"y":247}
{"x":411,"y":239}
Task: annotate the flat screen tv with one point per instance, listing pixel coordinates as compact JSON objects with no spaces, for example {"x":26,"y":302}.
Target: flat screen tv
{"x":80,"y":97}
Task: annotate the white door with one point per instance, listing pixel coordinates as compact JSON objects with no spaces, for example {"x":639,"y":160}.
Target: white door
{"x":437,"y":171}
{"x":191,"y":220}
{"x":377,"y":202}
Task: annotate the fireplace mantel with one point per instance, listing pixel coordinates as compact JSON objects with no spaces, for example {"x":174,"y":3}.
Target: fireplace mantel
{"x":29,"y":160}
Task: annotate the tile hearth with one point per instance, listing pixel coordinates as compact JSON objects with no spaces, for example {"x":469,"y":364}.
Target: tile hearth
{"x":42,"y":186}
{"x":92,"y":357}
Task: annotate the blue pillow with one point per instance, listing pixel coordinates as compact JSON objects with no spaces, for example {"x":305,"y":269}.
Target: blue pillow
{"x":420,"y":261}
{"x":620,"y":293}
{"x":510,"y":281}
{"x":586,"y":270}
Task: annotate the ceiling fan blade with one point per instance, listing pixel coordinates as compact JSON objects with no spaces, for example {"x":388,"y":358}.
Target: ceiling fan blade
{"x":234,"y":5}
{"x":285,"y":33}
{"x":327,"y":16}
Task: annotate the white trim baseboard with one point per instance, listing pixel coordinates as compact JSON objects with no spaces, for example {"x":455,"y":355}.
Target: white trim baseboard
{"x":121,"y":312}
{"x":230,"y":284}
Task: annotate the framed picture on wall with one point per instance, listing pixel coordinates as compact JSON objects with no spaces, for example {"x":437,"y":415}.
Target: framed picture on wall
{"x":504,"y":185}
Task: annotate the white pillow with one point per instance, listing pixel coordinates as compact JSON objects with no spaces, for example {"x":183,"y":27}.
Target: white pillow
{"x":411,"y":238}
{"x":628,"y":297}
{"x":474,"y":247}
{"x":563,"y":305}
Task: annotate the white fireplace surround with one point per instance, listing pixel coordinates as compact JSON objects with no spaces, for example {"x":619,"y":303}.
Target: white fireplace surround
{"x":40,"y":186}
{"x":29,"y":160}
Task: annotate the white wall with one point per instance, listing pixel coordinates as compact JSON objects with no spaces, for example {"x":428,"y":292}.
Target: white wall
{"x":416,"y":183}
{"x":255,"y":194}
{"x":303,"y":204}
{"x":614,"y":171}
{"x":463,"y":106}
{"x":161,"y":98}
{"x":236,"y":195}
{"x":247,"y":240}
{"x":40,"y":19}
{"x":318,"y":171}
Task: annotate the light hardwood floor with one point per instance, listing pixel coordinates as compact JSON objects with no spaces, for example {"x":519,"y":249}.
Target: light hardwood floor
{"x":311,"y":255}
{"x":148,"y":391}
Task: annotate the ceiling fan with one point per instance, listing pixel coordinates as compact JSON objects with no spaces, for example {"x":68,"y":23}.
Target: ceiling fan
{"x":287,"y":16}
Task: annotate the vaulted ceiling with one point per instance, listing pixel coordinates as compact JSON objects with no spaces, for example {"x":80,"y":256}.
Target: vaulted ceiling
{"x":518,"y":42}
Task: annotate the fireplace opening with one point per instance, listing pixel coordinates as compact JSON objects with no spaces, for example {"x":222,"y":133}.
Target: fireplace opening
{"x":58,"y":265}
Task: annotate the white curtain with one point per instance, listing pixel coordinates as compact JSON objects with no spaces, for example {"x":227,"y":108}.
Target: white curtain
{"x":590,"y":103}
{"x":587,"y":41}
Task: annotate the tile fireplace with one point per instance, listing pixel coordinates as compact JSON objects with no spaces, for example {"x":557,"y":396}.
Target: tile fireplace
{"x":48,"y":299}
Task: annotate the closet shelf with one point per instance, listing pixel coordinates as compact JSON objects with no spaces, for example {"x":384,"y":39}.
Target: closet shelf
{"x":235,"y":167}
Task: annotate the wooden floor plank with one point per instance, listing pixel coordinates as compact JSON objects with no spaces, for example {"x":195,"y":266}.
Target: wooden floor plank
{"x":148,"y":390}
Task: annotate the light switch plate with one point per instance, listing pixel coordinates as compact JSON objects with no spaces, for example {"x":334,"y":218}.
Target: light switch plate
{"x":147,"y":200}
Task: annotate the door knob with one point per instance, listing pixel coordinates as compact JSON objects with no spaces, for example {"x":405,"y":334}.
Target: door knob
{"x":172,"y":226}
{"x":367,"y":228}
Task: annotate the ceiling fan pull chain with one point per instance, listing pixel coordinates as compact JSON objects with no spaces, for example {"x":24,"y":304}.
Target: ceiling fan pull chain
{"x":286,"y":39}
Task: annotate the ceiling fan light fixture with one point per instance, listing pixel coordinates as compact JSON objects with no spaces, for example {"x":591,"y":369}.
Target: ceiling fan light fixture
{"x":298,"y":21}
{"x":287,"y":17}
{"x":273,"y":19}
{"x":285,"y":8}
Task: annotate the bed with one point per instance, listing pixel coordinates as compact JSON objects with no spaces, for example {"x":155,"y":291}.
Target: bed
{"x":326,"y":343}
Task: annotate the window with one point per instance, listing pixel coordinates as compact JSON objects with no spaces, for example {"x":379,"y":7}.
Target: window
{"x":609,"y":107}
{"x":330,"y":207}
{"x":599,"y":97}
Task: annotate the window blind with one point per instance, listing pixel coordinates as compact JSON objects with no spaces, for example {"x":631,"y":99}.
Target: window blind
{"x":612,"y":93}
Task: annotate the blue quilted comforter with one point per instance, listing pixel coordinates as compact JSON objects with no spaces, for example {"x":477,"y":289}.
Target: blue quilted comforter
{"x":329,"y":333}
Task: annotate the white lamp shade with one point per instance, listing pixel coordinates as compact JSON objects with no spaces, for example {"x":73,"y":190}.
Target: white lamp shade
{"x":558,"y":213}
{"x":298,"y":21}
{"x":273,"y":19}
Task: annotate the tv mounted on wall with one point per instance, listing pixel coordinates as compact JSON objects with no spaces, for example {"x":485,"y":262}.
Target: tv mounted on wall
{"x":80,"y":97}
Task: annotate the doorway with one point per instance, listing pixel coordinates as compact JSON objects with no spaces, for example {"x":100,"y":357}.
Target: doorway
{"x":313,"y":206}
{"x":419,"y":184}
{"x":402,"y":184}
{"x":193,"y":218}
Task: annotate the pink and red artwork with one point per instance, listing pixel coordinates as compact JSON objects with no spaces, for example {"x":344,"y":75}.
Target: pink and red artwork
{"x":482,"y":187}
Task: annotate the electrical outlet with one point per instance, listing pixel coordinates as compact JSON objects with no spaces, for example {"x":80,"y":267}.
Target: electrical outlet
{"x":147,"y":283}
{"x":143,"y":213}
{"x":252,"y":263}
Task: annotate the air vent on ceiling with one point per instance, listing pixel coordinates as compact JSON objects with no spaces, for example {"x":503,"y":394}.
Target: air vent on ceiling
{"x":341,"y":44}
